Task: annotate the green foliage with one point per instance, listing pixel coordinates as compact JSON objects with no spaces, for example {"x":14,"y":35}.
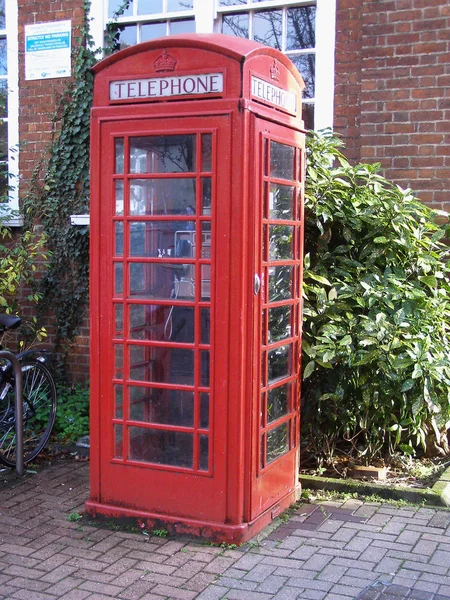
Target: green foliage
{"x":72,"y":416}
{"x":74,"y":517}
{"x":377,"y":313}
{"x":19,"y":259}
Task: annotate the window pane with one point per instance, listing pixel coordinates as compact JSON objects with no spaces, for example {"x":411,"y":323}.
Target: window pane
{"x":279,"y":323}
{"x":2,"y":14}
{"x":281,"y":201}
{"x":3,"y":65}
{"x":281,"y":246}
{"x":204,"y":411}
{"x":119,"y":401}
{"x":267,"y":28}
{"x":162,"y":154}
{"x":126,"y":36}
{"x":162,"y":281}
{"x":119,"y":196}
{"x":119,"y":155}
{"x":119,"y":238}
{"x":204,"y":453}
{"x":3,"y":98}
{"x":278,"y":402}
{"x":279,"y":362}
{"x":175,"y":5}
{"x":118,"y":332}
{"x":162,"y":196}
{"x":162,"y":323}
{"x":281,"y":160}
{"x":301,"y":28}
{"x":308,"y":115}
{"x":161,"y":447}
{"x":277,"y":442}
{"x":168,"y":407}
{"x":306,"y":66}
{"x":114,"y":6}
{"x":206,"y":152}
{"x":231,"y":2}
{"x":280,"y":283}
{"x":161,"y":365}
{"x":151,"y":31}
{"x":149,"y":7}
{"x":185,"y":26}
{"x":118,"y":441}
{"x":236,"y":25}
{"x":3,"y":141}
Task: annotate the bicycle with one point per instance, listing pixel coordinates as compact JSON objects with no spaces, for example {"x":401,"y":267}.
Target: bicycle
{"x":38,"y":399}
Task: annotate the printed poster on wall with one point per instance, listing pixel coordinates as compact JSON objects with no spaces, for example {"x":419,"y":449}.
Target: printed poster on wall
{"x":48,"y":50}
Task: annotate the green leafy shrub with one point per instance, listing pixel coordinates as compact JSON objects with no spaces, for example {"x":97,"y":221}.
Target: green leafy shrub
{"x":19,"y":264}
{"x":72,"y":415}
{"x":377,"y":313}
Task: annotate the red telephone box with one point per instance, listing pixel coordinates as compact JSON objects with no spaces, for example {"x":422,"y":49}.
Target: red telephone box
{"x":196,"y":278}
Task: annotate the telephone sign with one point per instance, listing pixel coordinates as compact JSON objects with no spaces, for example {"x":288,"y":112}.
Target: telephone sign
{"x":196,"y":195}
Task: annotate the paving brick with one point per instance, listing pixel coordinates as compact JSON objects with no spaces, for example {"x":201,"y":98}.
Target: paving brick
{"x":214,"y":592}
{"x":241,"y":595}
{"x":137,"y":590}
{"x":332,"y":573}
{"x":174,"y":593}
{"x":272,"y":584}
{"x":440,"y":558}
{"x":100,"y":588}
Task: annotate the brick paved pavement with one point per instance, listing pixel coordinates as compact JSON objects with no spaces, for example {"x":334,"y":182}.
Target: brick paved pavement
{"x":332,"y":551}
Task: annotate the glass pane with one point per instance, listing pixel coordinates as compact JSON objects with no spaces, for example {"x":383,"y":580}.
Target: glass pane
{"x":301,"y":28}
{"x":175,"y":5}
{"x":236,"y":24}
{"x":206,"y":152}
{"x":118,"y":389}
{"x":204,"y":411}
{"x":2,"y":14}
{"x":151,"y":31}
{"x":162,"y":323}
{"x":119,"y":197}
{"x":182,"y":26}
{"x":267,"y":28}
{"x":3,"y":63}
{"x":119,"y":153}
{"x":281,"y":201}
{"x":162,"y":281}
{"x":205,"y":326}
{"x":281,"y":242}
{"x":264,"y":369}
{"x":231,"y":2}
{"x":279,"y":323}
{"x":118,"y":277}
{"x":161,"y":447}
{"x":118,"y":441}
{"x":279,"y":362}
{"x":277,"y":442}
{"x":168,"y":407}
{"x":149,"y":7}
{"x":206,"y":282}
{"x":280,"y":283}
{"x":126,"y":36}
{"x":278,"y":402}
{"x":206,"y":195}
{"x":281,"y":160}
{"x":306,"y":65}
{"x":114,"y":6}
{"x":308,"y":115}
{"x":162,"y":365}
{"x":118,"y":353}
{"x":118,"y":320}
{"x":3,"y":98}
{"x":204,"y":453}
{"x":204,"y":376}
{"x":162,"y":196}
{"x":118,"y":225}
{"x":162,"y":154}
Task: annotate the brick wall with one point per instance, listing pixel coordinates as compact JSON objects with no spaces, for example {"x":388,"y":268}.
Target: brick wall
{"x":38,"y":102}
{"x":400,"y":83}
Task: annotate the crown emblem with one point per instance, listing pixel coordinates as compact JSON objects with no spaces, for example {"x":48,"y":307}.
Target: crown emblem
{"x":274,"y":71}
{"x":165,"y":62}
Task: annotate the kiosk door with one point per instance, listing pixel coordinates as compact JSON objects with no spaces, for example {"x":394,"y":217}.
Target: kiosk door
{"x":159,"y":214}
{"x":277,"y":314}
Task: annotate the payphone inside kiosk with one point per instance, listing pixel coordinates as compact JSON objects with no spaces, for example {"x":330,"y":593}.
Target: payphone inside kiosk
{"x":196,"y":278}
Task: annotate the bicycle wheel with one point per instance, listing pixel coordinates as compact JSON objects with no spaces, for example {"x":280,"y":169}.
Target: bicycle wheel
{"x":39,"y":411}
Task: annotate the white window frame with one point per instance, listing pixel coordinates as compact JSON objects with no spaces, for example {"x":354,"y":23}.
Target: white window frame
{"x":12,"y":58}
{"x":207,"y":14}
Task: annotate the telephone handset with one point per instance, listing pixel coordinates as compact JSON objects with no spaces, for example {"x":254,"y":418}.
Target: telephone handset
{"x":184,"y":280}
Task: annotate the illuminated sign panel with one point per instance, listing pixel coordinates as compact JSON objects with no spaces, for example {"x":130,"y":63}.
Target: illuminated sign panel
{"x":160,"y":87}
{"x":262,"y":90}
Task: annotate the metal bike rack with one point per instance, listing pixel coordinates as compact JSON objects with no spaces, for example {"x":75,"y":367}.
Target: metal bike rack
{"x":19,"y":408}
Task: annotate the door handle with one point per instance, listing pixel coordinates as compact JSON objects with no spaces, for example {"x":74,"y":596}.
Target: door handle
{"x":256,"y":284}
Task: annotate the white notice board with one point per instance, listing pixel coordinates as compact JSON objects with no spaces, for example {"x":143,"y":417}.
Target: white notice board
{"x":48,"y":50}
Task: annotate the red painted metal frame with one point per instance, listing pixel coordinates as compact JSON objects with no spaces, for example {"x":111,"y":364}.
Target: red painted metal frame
{"x":230,"y":501}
